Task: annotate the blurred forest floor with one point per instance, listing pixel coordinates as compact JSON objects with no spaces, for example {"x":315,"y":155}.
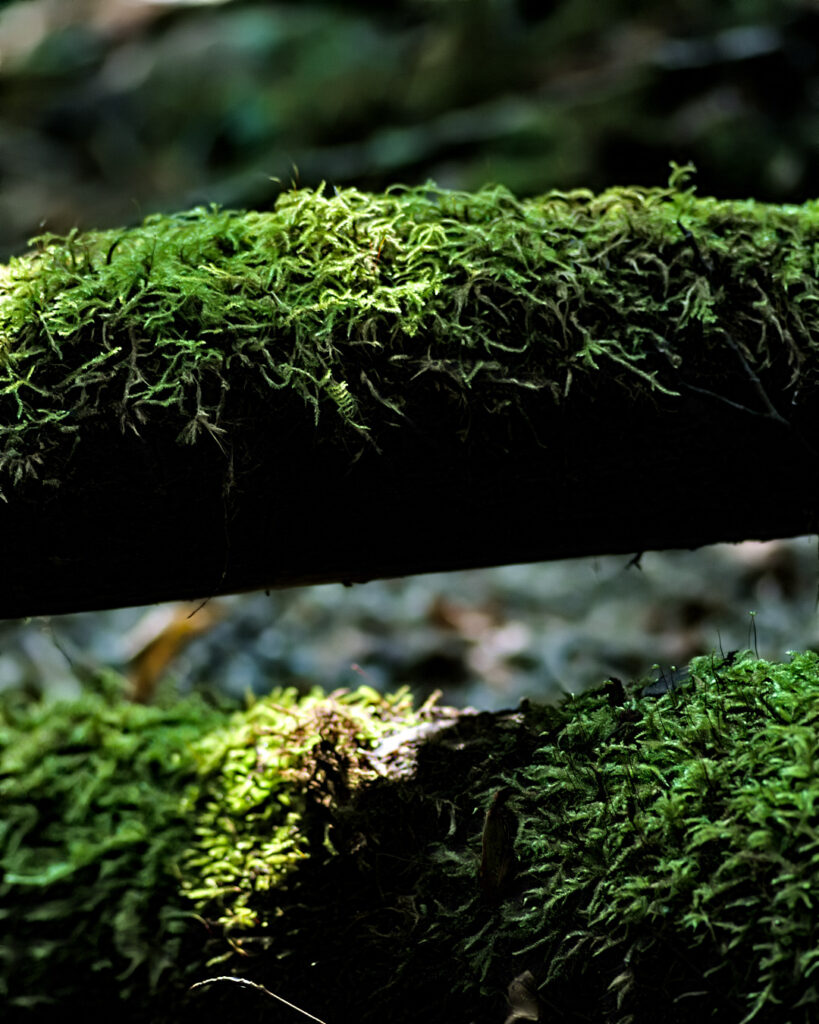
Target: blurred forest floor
{"x":486,"y":637}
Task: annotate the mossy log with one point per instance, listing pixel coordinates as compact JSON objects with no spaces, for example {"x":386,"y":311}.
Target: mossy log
{"x":351,"y":386}
{"x":628,"y":856}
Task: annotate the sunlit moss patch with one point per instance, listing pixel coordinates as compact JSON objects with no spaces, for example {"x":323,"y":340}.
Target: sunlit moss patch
{"x":658,"y":860}
{"x":119,"y":822}
{"x":372,"y":310}
{"x":273,"y":761}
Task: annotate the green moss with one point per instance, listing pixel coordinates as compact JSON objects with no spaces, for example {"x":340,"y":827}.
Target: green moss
{"x":646,"y":855}
{"x":119,"y":821}
{"x":668,"y":855}
{"x":372,"y":309}
{"x":92,"y":793}
{"x":663,"y":863}
{"x":264,"y":769}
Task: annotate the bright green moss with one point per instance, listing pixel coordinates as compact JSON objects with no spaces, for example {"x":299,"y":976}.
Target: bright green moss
{"x":264,"y":769}
{"x":366,"y":307}
{"x":119,"y":821}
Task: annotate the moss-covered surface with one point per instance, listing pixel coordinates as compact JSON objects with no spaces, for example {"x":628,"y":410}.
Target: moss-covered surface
{"x":637,"y":854}
{"x":406,"y":309}
{"x":91,"y":795}
{"x":119,"y":820}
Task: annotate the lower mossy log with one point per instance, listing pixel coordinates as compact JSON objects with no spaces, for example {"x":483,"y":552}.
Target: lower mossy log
{"x":351,"y":386}
{"x":630,"y":855}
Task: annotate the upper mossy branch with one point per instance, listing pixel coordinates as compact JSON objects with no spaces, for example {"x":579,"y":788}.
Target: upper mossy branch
{"x":369,"y":307}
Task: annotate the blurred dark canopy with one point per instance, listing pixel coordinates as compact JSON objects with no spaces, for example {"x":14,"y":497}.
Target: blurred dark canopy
{"x":111,"y":109}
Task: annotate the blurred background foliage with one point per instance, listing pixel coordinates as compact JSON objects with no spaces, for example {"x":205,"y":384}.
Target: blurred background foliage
{"x":113,"y":109}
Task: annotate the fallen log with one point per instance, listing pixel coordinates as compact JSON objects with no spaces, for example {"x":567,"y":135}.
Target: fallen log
{"x":353,"y":386}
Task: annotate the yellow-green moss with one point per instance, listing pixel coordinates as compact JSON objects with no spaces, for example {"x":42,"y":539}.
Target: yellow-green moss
{"x":118,"y":822}
{"x":664,"y":864}
{"x":363,"y":306}
{"x":262,"y":771}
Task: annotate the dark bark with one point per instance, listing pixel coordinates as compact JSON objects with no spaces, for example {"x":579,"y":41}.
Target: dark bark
{"x":143,"y":518}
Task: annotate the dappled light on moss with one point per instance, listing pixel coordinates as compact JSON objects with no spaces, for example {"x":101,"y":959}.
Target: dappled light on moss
{"x":263,"y":770}
{"x":120,"y":821}
{"x":649,"y":854}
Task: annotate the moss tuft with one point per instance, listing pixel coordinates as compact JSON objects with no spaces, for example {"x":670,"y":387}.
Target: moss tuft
{"x":92,"y":794}
{"x":667,"y":855}
{"x":120,"y":821}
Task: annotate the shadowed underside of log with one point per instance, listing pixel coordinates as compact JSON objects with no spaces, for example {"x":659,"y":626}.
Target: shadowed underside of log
{"x":357,"y":386}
